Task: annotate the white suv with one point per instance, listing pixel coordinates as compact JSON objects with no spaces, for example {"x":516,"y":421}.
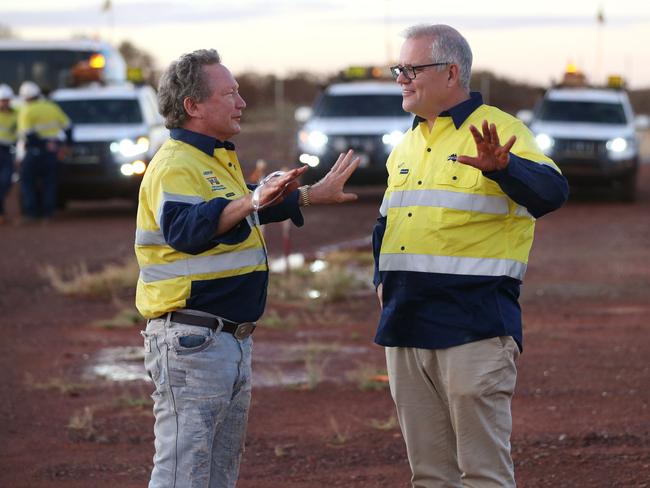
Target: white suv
{"x":591,"y":135}
{"x":116,"y":132}
{"x":365,"y":116}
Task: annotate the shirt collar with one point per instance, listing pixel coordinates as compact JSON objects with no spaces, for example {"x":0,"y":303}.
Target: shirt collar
{"x":202,"y":142}
{"x":459,"y":112}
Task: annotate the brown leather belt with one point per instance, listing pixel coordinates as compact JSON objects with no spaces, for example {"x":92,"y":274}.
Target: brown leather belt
{"x":240,"y":331}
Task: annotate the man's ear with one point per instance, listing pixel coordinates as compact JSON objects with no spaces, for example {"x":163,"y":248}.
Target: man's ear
{"x":191,"y":108}
{"x":453,"y":75}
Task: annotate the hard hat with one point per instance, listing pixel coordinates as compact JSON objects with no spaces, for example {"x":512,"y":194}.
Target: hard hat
{"x":6,"y":93}
{"x":28,"y":90}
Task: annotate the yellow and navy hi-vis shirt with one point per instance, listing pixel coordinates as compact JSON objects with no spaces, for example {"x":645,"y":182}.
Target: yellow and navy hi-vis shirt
{"x":41,"y":120}
{"x":189,"y":182}
{"x":451,"y":243}
{"x":8,"y":121}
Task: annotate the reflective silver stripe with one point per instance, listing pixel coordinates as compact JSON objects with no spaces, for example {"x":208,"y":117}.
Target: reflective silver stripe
{"x":450,"y":199}
{"x":452,"y":265}
{"x":202,"y":265}
{"x":383,"y":210}
{"x":175,"y":197}
{"x":149,"y":238}
{"x":47,"y":126}
{"x":523,"y":212}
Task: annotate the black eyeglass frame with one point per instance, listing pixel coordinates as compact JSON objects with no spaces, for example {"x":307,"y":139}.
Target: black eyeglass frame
{"x":396,"y":70}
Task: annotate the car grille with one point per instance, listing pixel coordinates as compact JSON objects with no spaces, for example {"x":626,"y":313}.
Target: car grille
{"x":370,"y":147}
{"x":580,"y":148}
{"x":90,"y":153}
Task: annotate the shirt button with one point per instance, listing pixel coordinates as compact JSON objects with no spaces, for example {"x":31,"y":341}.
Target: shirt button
{"x":402,"y":248}
{"x":428,"y":149}
{"x":419,"y":182}
{"x":229,"y":163}
{"x":454,"y":178}
{"x":410,"y":214}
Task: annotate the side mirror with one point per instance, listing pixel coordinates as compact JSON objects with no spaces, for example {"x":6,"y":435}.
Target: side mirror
{"x":303,"y":114}
{"x":526,"y":116}
{"x":642,"y":122}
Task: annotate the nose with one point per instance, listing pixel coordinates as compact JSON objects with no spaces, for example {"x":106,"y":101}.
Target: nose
{"x":402,"y":79}
{"x":241,"y":103}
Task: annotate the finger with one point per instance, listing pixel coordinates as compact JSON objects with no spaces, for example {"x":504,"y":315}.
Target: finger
{"x":510,"y":143}
{"x":475,"y":162}
{"x":338,"y":162}
{"x":493,"y":133}
{"x":347,"y":171}
{"x":478,"y":139}
{"x":349,"y":197}
{"x":486,"y":132}
{"x":344,"y":161}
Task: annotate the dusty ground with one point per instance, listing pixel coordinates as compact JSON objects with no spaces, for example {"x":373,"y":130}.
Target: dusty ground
{"x":581,"y":416}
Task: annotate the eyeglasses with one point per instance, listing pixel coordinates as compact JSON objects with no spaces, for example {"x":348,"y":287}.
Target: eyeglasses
{"x":411,"y":71}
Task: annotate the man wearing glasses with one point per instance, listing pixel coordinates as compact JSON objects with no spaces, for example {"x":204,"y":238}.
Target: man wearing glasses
{"x":451,"y":247}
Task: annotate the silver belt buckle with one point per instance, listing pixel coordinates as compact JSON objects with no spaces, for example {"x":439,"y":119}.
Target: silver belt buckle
{"x":243,"y":330}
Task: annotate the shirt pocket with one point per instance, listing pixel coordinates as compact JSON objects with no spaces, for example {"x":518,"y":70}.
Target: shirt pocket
{"x":457,"y":175}
{"x":399,"y":178}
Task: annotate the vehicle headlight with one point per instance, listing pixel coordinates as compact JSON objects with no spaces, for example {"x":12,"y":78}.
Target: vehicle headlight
{"x":617,"y":145}
{"x":392,"y":139}
{"x":135,"y":168}
{"x":129,"y":148}
{"x":315,"y":139}
{"x":544,"y":141}
{"x":309,"y":160}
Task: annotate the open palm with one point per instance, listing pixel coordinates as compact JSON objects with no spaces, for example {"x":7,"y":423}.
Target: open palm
{"x":491,"y":155}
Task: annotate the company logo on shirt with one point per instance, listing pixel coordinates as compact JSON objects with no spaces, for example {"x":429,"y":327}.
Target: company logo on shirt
{"x":404,"y":171}
{"x":452,"y":157}
{"x":214,"y":182}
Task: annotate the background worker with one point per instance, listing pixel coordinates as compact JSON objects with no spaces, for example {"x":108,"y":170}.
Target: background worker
{"x":204,"y":271}
{"x":451,"y":247}
{"x":41,"y":124}
{"x":7,"y":145}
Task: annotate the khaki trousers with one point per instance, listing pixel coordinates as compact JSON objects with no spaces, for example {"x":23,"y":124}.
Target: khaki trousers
{"x":453,"y":407}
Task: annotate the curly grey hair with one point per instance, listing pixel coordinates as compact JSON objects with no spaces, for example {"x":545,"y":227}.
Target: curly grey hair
{"x":184,"y":78}
{"x":447,"y":44}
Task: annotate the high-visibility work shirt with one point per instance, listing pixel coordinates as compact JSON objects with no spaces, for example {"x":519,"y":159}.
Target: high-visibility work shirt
{"x":42,"y":120}
{"x":8,"y":127}
{"x":183,"y":265}
{"x":451,"y":243}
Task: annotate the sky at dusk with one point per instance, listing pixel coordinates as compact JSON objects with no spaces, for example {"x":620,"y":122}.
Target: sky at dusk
{"x":526,"y":41}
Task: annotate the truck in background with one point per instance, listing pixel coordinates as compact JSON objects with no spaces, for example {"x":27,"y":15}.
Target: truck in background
{"x":363,"y":113}
{"x":116,"y":131}
{"x":590,"y":132}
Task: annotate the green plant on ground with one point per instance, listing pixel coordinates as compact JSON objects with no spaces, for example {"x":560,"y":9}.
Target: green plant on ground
{"x":133,"y":402}
{"x":367,"y":377}
{"x":339,"y":436}
{"x":125,"y":318}
{"x":389,"y":424}
{"x":57,"y":384}
{"x":81,"y":424}
{"x":79,"y":281}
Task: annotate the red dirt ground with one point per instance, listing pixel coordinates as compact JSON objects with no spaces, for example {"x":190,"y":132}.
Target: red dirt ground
{"x":581,"y":416}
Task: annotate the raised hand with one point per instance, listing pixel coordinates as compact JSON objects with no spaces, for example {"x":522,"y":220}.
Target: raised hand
{"x":491,"y":156}
{"x":330,"y":188}
{"x":277,"y":186}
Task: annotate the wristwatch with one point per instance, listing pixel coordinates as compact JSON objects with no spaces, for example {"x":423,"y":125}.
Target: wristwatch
{"x":303,"y":196}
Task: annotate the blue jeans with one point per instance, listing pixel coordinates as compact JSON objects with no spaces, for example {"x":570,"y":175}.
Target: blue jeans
{"x":203,"y":391}
{"x":38,"y":183}
{"x":6,"y":170}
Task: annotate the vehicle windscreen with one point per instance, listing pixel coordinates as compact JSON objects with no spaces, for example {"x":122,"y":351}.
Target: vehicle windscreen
{"x":103,"y":111}
{"x":590,"y":112}
{"x":360,"y":106}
